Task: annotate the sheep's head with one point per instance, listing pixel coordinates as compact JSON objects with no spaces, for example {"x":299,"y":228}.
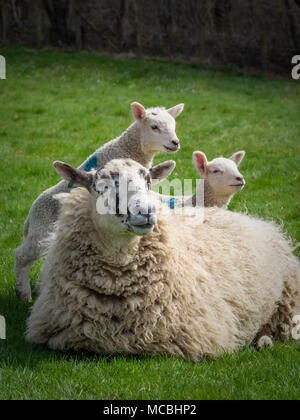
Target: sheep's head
{"x":158,"y":128}
{"x":222,"y":174}
{"x":121,"y":194}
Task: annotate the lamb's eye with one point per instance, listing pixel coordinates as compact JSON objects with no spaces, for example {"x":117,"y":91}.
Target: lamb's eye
{"x":154,"y":127}
{"x":217,"y":171}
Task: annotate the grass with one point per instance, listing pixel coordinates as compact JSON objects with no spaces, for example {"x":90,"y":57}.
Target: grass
{"x":64,"y":106}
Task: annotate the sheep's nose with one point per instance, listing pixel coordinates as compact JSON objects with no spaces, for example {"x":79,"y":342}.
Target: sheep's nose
{"x":143,"y":214}
{"x":147,"y":211}
{"x":175,"y":142}
{"x":240,"y":178}
{"x":150,"y":217}
{"x":144,"y":208}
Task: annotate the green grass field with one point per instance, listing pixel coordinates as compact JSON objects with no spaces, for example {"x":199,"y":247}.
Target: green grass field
{"x":64,"y":106}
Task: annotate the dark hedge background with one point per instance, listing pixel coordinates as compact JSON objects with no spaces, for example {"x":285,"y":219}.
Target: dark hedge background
{"x":255,"y":34}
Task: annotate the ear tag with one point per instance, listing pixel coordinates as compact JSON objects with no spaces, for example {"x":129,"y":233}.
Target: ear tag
{"x":172,"y":203}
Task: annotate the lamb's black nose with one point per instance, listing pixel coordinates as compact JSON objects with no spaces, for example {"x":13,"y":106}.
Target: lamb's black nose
{"x":175,"y":142}
{"x":240,"y":179}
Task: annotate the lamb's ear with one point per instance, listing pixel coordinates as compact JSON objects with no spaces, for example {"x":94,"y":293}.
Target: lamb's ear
{"x":139,"y":111}
{"x":162,"y":171}
{"x":238,"y":157}
{"x":176,"y":110}
{"x":74,"y":176}
{"x":200,"y":162}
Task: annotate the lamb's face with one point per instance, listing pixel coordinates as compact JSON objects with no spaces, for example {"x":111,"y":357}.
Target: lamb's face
{"x":121,"y":194}
{"x":158,"y":128}
{"x":224,"y":177}
{"x":222,"y":174}
{"x":122,"y":198}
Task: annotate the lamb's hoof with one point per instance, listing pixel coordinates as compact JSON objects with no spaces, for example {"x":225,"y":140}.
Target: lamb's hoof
{"x":24,"y":296}
{"x":264,"y":342}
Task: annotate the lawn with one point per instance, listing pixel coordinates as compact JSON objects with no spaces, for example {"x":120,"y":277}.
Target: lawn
{"x":63,"y":106}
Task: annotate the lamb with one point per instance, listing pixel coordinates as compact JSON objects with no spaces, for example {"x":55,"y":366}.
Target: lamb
{"x":152,"y":132}
{"x":131,"y":282}
{"x":222,"y":180}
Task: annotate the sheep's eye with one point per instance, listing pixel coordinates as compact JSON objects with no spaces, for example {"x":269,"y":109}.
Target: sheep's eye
{"x":154,"y":127}
{"x":101,"y":189}
{"x":217,"y":171}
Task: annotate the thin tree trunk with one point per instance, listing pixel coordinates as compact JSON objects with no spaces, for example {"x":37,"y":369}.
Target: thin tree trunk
{"x":292,"y":24}
{"x":75,"y":22}
{"x":139,"y":17}
{"x":38,"y":11}
{"x":265,"y":51}
{"x":5,"y":22}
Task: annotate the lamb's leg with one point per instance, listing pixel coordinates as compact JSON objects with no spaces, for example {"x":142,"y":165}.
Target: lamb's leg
{"x":264,"y":342}
{"x":38,"y":225}
{"x":264,"y":338}
{"x":280,"y":325}
{"x":25,"y":256}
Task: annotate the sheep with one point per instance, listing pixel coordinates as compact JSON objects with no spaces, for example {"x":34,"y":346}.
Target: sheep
{"x":222,"y":180}
{"x":131,"y":282}
{"x":152,"y":132}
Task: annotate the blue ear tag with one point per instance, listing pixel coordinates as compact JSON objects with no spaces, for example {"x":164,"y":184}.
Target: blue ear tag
{"x":172,"y":202}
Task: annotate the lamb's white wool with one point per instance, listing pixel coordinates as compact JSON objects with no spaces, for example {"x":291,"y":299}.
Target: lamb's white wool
{"x":204,"y":289}
{"x":152,"y":132}
{"x":221,"y":177}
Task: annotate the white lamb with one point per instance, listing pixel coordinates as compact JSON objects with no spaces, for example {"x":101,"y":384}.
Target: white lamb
{"x":135,"y":283}
{"x":221,"y":177}
{"x":152,"y":132}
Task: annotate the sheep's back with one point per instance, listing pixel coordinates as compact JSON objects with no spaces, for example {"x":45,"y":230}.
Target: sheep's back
{"x":245,"y":261}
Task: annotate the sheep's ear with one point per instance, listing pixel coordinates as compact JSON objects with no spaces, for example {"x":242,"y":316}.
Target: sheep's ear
{"x":139,"y":111}
{"x":75,"y":177}
{"x":162,"y":171}
{"x":238,"y":157}
{"x":176,"y":110}
{"x":200,"y":162}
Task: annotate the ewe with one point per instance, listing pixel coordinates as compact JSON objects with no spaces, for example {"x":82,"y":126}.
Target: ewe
{"x":133,"y":283}
{"x":152,"y":132}
{"x":222,"y":180}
